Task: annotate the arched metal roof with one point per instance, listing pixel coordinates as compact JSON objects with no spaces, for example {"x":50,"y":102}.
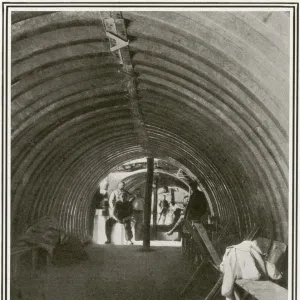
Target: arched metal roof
{"x":213,"y":95}
{"x":138,"y":180}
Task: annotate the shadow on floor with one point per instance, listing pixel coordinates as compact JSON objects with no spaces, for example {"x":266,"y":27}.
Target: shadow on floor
{"x":112,"y":272}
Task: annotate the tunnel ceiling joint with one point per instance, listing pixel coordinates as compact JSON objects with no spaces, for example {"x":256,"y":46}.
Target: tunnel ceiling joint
{"x":115,"y":30}
{"x":116,"y":43}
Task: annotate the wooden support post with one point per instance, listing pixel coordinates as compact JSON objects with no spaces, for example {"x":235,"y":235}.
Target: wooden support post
{"x":155,"y":207}
{"x":208,"y":244}
{"x":147,"y":208}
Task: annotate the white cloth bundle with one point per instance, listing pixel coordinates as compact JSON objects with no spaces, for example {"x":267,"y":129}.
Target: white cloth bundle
{"x":244,"y":261}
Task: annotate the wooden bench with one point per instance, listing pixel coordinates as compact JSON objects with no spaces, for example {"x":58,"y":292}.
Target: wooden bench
{"x":195,"y":247}
{"x":16,"y":254}
{"x":267,"y":290}
{"x":208,"y":251}
{"x":20,"y":250}
{"x":192,"y":247}
{"x":264,"y":290}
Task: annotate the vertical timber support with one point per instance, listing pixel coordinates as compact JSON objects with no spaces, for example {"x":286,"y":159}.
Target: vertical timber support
{"x":147,"y":208}
{"x":155,"y":185}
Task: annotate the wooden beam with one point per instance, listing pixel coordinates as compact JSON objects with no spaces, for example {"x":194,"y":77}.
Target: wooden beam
{"x":147,"y":207}
{"x":208,"y":244}
{"x":155,"y":207}
{"x":197,"y":238}
{"x":263,"y":290}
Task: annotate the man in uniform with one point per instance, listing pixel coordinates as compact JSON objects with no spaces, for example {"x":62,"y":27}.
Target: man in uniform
{"x":122,"y":213}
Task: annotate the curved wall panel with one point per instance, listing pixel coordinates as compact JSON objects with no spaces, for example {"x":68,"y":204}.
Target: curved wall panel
{"x":213,"y":92}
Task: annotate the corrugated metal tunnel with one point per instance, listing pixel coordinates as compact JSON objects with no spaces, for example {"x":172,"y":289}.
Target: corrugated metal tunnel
{"x":212,"y":90}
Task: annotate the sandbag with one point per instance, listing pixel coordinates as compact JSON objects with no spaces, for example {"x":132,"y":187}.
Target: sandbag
{"x":69,"y":250}
{"x":45,"y":233}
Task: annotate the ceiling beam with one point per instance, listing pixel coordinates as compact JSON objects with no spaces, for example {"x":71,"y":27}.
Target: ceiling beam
{"x":115,"y":29}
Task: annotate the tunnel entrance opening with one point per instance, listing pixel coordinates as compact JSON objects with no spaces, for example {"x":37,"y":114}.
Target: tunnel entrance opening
{"x":170,"y":194}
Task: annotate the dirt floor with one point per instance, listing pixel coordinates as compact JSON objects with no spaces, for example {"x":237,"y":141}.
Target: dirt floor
{"x":114,"y":272}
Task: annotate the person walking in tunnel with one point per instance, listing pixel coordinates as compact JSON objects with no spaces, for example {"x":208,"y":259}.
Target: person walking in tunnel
{"x":195,"y":209}
{"x":173,"y":208}
{"x":163,"y":206}
{"x":113,"y":198}
{"x":138,"y":213}
{"x":179,"y":223}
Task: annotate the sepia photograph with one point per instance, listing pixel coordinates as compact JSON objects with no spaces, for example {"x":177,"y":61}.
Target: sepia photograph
{"x":149,"y":150}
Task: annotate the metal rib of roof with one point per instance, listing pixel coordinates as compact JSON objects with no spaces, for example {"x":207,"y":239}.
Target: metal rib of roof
{"x":213,"y":95}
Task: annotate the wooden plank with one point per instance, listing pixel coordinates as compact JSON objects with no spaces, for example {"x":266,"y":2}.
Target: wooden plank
{"x":209,"y":246}
{"x":16,"y":254}
{"x":196,"y":238}
{"x":263,"y":290}
{"x":20,"y":250}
